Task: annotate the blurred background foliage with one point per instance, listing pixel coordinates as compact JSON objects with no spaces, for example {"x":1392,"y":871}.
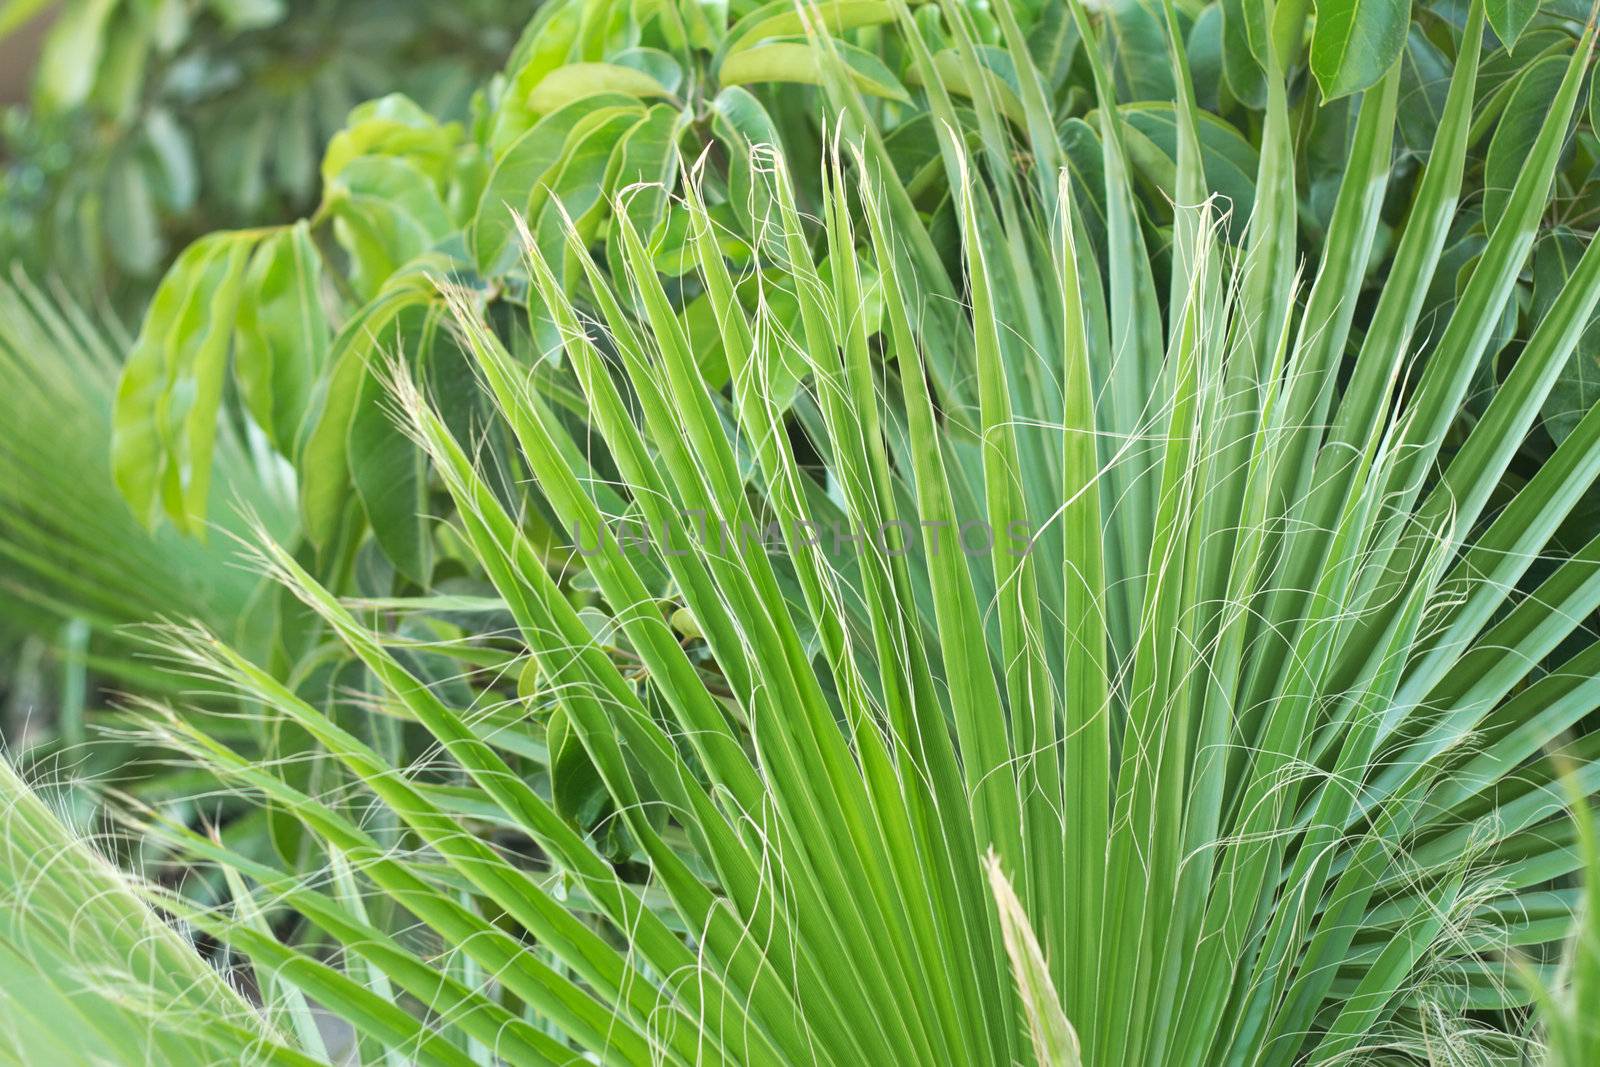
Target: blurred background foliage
{"x":128,"y":128}
{"x":149,"y":122}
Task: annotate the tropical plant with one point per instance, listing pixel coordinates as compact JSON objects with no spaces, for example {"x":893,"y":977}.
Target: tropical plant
{"x":932,"y":608}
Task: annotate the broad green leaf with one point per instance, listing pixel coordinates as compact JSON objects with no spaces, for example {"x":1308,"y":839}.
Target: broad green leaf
{"x":1205,"y":57}
{"x":780,"y":18}
{"x":581,"y":81}
{"x":386,"y":213}
{"x":1134,"y":34}
{"x":577,"y":194}
{"x":120,"y":79}
{"x":1355,"y":42}
{"x":131,"y":223}
{"x":393,"y":127}
{"x":170,"y":394}
{"x":1576,"y":391}
{"x":578,"y":190}
{"x":1230,"y":163}
{"x":1577,"y":388}
{"x":72,"y":54}
{"x":173,"y":156}
{"x":521,"y":174}
{"x":699,"y":320}
{"x":957,"y":76}
{"x":1083,"y":157}
{"x":1424,"y":82}
{"x":282,"y":343}
{"x":1518,"y":127}
{"x":546,"y":44}
{"x":658,"y":64}
{"x":1510,"y":17}
{"x":1245,"y":75}
{"x":740,"y":124}
{"x":323,"y":459}
{"x":388,"y":473}
{"x":644,"y":167}
{"x":798,"y":61}
{"x":576,"y":788}
{"x":1053,"y":44}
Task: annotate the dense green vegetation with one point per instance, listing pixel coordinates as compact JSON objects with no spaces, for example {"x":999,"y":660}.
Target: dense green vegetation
{"x":865,"y":532}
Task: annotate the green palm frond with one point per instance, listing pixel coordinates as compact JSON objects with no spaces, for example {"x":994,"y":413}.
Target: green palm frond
{"x":89,"y":974}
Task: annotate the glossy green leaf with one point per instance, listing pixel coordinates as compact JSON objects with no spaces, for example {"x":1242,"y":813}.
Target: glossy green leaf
{"x":1424,"y":81}
{"x":779,"y":18}
{"x":1514,"y":135}
{"x":388,"y":473}
{"x":644,"y":167}
{"x":1229,"y":161}
{"x":1133,"y":31}
{"x":392,"y":127}
{"x":521,"y":175}
{"x":323,"y":461}
{"x":1355,"y":42}
{"x":1510,"y":17}
{"x":282,"y":343}
{"x":975,"y":80}
{"x":1577,"y":388}
{"x":797,"y":61}
{"x":1205,"y":57}
{"x":581,"y":81}
{"x":576,"y":787}
{"x":170,"y":395}
{"x":386,"y":213}
{"x":1246,"y":76}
